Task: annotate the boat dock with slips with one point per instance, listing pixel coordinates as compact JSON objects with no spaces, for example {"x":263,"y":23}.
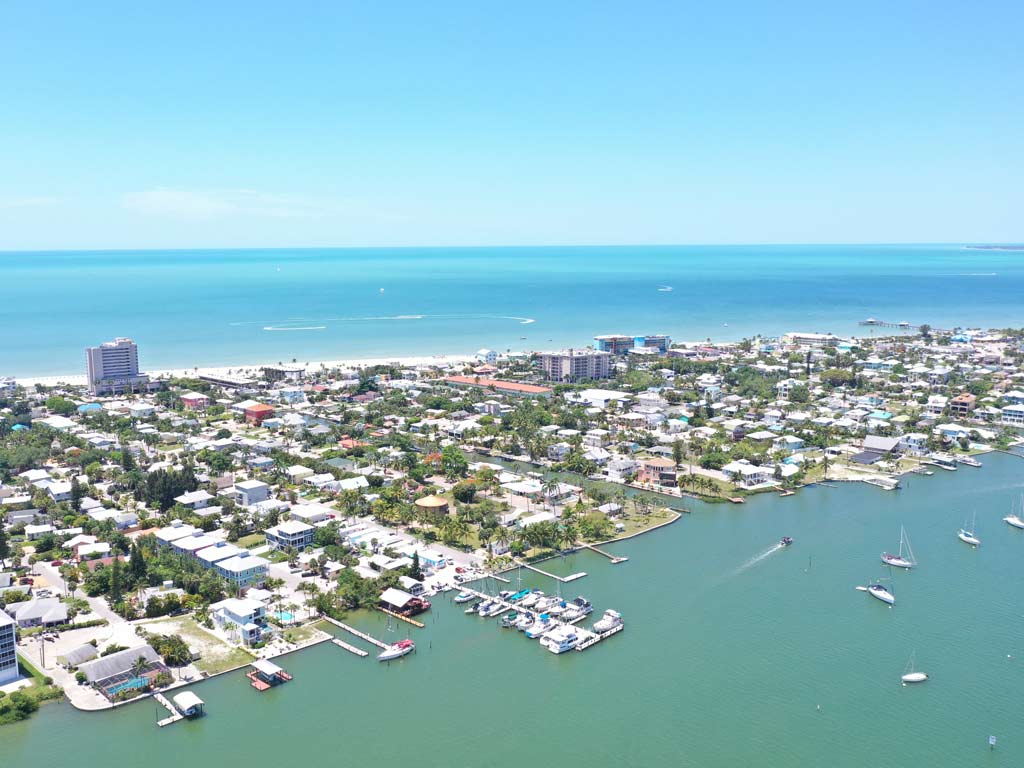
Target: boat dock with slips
{"x":175,"y":715}
{"x":353,"y":631}
{"x":587,"y":638}
{"x":350,"y":648}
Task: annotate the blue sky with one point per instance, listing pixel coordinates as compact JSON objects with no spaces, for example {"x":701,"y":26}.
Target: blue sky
{"x":187,"y":124}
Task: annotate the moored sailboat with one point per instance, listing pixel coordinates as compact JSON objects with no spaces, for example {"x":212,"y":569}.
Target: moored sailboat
{"x":905,"y":558}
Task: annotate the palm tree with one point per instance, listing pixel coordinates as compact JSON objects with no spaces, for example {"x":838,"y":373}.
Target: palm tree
{"x":139,"y":666}
{"x":550,"y":489}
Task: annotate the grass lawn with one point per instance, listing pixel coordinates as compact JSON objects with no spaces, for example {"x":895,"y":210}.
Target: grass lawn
{"x":252,"y":541}
{"x":215,"y":654}
{"x":302,"y":634}
{"x":636,"y":523}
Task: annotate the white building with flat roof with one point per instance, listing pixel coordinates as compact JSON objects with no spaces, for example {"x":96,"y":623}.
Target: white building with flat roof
{"x":576,"y":365}
{"x":113,"y":368}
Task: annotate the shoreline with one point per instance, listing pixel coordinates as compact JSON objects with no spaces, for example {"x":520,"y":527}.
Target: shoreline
{"x":254,"y":369}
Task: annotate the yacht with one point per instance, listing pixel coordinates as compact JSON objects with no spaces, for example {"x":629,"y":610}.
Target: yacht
{"x":905,"y":558}
{"x":540,"y":627}
{"x":583,"y":604}
{"x":464,"y":597}
{"x":967,"y":535}
{"x":880,"y":592}
{"x":558,"y":608}
{"x":572,"y":614}
{"x":547,"y":602}
{"x":531,"y":599}
{"x":609,"y":621}
{"x":397,"y":651}
{"x":561,"y":640}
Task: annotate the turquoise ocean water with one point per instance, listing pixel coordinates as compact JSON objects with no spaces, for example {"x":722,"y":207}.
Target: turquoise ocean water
{"x":189,"y":308}
{"x":733,"y":655}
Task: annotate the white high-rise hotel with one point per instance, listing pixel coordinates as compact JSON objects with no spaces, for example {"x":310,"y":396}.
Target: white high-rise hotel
{"x":8,"y":650}
{"x":113,"y":368}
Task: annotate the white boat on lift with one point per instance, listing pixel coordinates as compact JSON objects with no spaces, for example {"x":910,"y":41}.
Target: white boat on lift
{"x":905,"y":558}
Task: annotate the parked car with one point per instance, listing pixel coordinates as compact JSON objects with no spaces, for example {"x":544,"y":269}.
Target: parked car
{"x":56,"y":562}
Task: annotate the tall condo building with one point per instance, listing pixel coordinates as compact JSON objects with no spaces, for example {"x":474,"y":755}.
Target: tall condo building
{"x":576,"y":364}
{"x":8,"y":650}
{"x":620,"y":344}
{"x":113,"y":368}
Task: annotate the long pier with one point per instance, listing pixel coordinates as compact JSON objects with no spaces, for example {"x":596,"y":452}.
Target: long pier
{"x":615,"y":559}
{"x":175,"y":714}
{"x":563,"y":579}
{"x":350,"y":648}
{"x":871,"y":321}
{"x":353,"y":631}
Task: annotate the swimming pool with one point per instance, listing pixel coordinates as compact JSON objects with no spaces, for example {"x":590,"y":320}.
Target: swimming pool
{"x":285,"y":616}
{"x":135,"y":682}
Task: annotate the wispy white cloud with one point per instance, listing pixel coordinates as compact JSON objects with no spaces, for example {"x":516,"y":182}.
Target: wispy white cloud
{"x":226,"y":203}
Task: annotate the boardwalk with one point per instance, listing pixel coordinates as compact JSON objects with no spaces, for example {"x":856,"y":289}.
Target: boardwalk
{"x":175,"y":715}
{"x":350,"y":648}
{"x":353,"y":631}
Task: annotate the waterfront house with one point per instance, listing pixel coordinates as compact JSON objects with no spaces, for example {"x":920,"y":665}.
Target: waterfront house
{"x":240,"y":617}
{"x":747,"y":475}
{"x":1013,"y":416}
{"x":657,"y":471}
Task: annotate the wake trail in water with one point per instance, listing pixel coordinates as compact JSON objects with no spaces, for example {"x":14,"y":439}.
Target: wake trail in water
{"x":757,"y":559}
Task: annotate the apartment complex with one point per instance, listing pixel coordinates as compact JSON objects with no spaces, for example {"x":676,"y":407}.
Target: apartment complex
{"x":113,"y":368}
{"x":619,"y":344}
{"x":576,"y":365}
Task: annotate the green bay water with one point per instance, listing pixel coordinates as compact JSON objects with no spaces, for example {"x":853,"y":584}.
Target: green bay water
{"x":727,"y":656}
{"x":223,"y":307}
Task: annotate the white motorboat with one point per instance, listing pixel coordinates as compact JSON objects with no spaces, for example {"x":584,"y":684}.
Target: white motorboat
{"x":532,"y":599}
{"x":397,"y":651}
{"x":495,"y":609}
{"x":539,"y":628}
{"x":484,"y":607}
{"x":572,"y":614}
{"x":609,"y":621}
{"x":464,"y":597}
{"x":970,"y":461}
{"x":524,"y":622}
{"x":583,"y":605}
{"x":905,"y":558}
{"x":547,"y":602}
{"x":561,"y":640}
{"x":910,"y":674}
{"x":558,"y":609}
{"x":879,"y":591}
{"x":967,"y":535}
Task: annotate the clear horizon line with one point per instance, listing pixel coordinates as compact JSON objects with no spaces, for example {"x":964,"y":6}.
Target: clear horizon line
{"x":748,"y":244}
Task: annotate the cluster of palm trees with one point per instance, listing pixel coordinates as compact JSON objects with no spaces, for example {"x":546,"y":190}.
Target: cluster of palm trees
{"x":697,"y":483}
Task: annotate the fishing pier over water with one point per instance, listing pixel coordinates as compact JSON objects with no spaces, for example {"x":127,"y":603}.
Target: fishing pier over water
{"x":876,"y":323}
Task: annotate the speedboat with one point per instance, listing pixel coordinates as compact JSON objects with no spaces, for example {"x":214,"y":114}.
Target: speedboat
{"x":583,"y":604}
{"x":609,"y":621}
{"x":397,"y":651}
{"x":561,"y":640}
{"x":494,"y":610}
{"x":509,"y":621}
{"x":505,"y":594}
{"x":518,"y":596}
{"x":968,"y":537}
{"x":883,"y":594}
{"x":531,"y":599}
{"x":484,"y":607}
{"x":558,"y":609}
{"x":471,"y":609}
{"x":1014,"y":520}
{"x":464,"y":597}
{"x":785,"y":541}
{"x":914,"y":677}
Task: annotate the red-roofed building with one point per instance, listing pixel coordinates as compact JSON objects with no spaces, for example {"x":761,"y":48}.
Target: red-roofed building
{"x":255,"y":414}
{"x":505,"y":387}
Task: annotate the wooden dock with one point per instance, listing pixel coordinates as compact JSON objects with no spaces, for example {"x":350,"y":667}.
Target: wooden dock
{"x":175,"y":715}
{"x":563,"y":579}
{"x":406,"y":619}
{"x":350,"y":648}
{"x":615,"y":559}
{"x":595,"y":638}
{"x":353,"y":631}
